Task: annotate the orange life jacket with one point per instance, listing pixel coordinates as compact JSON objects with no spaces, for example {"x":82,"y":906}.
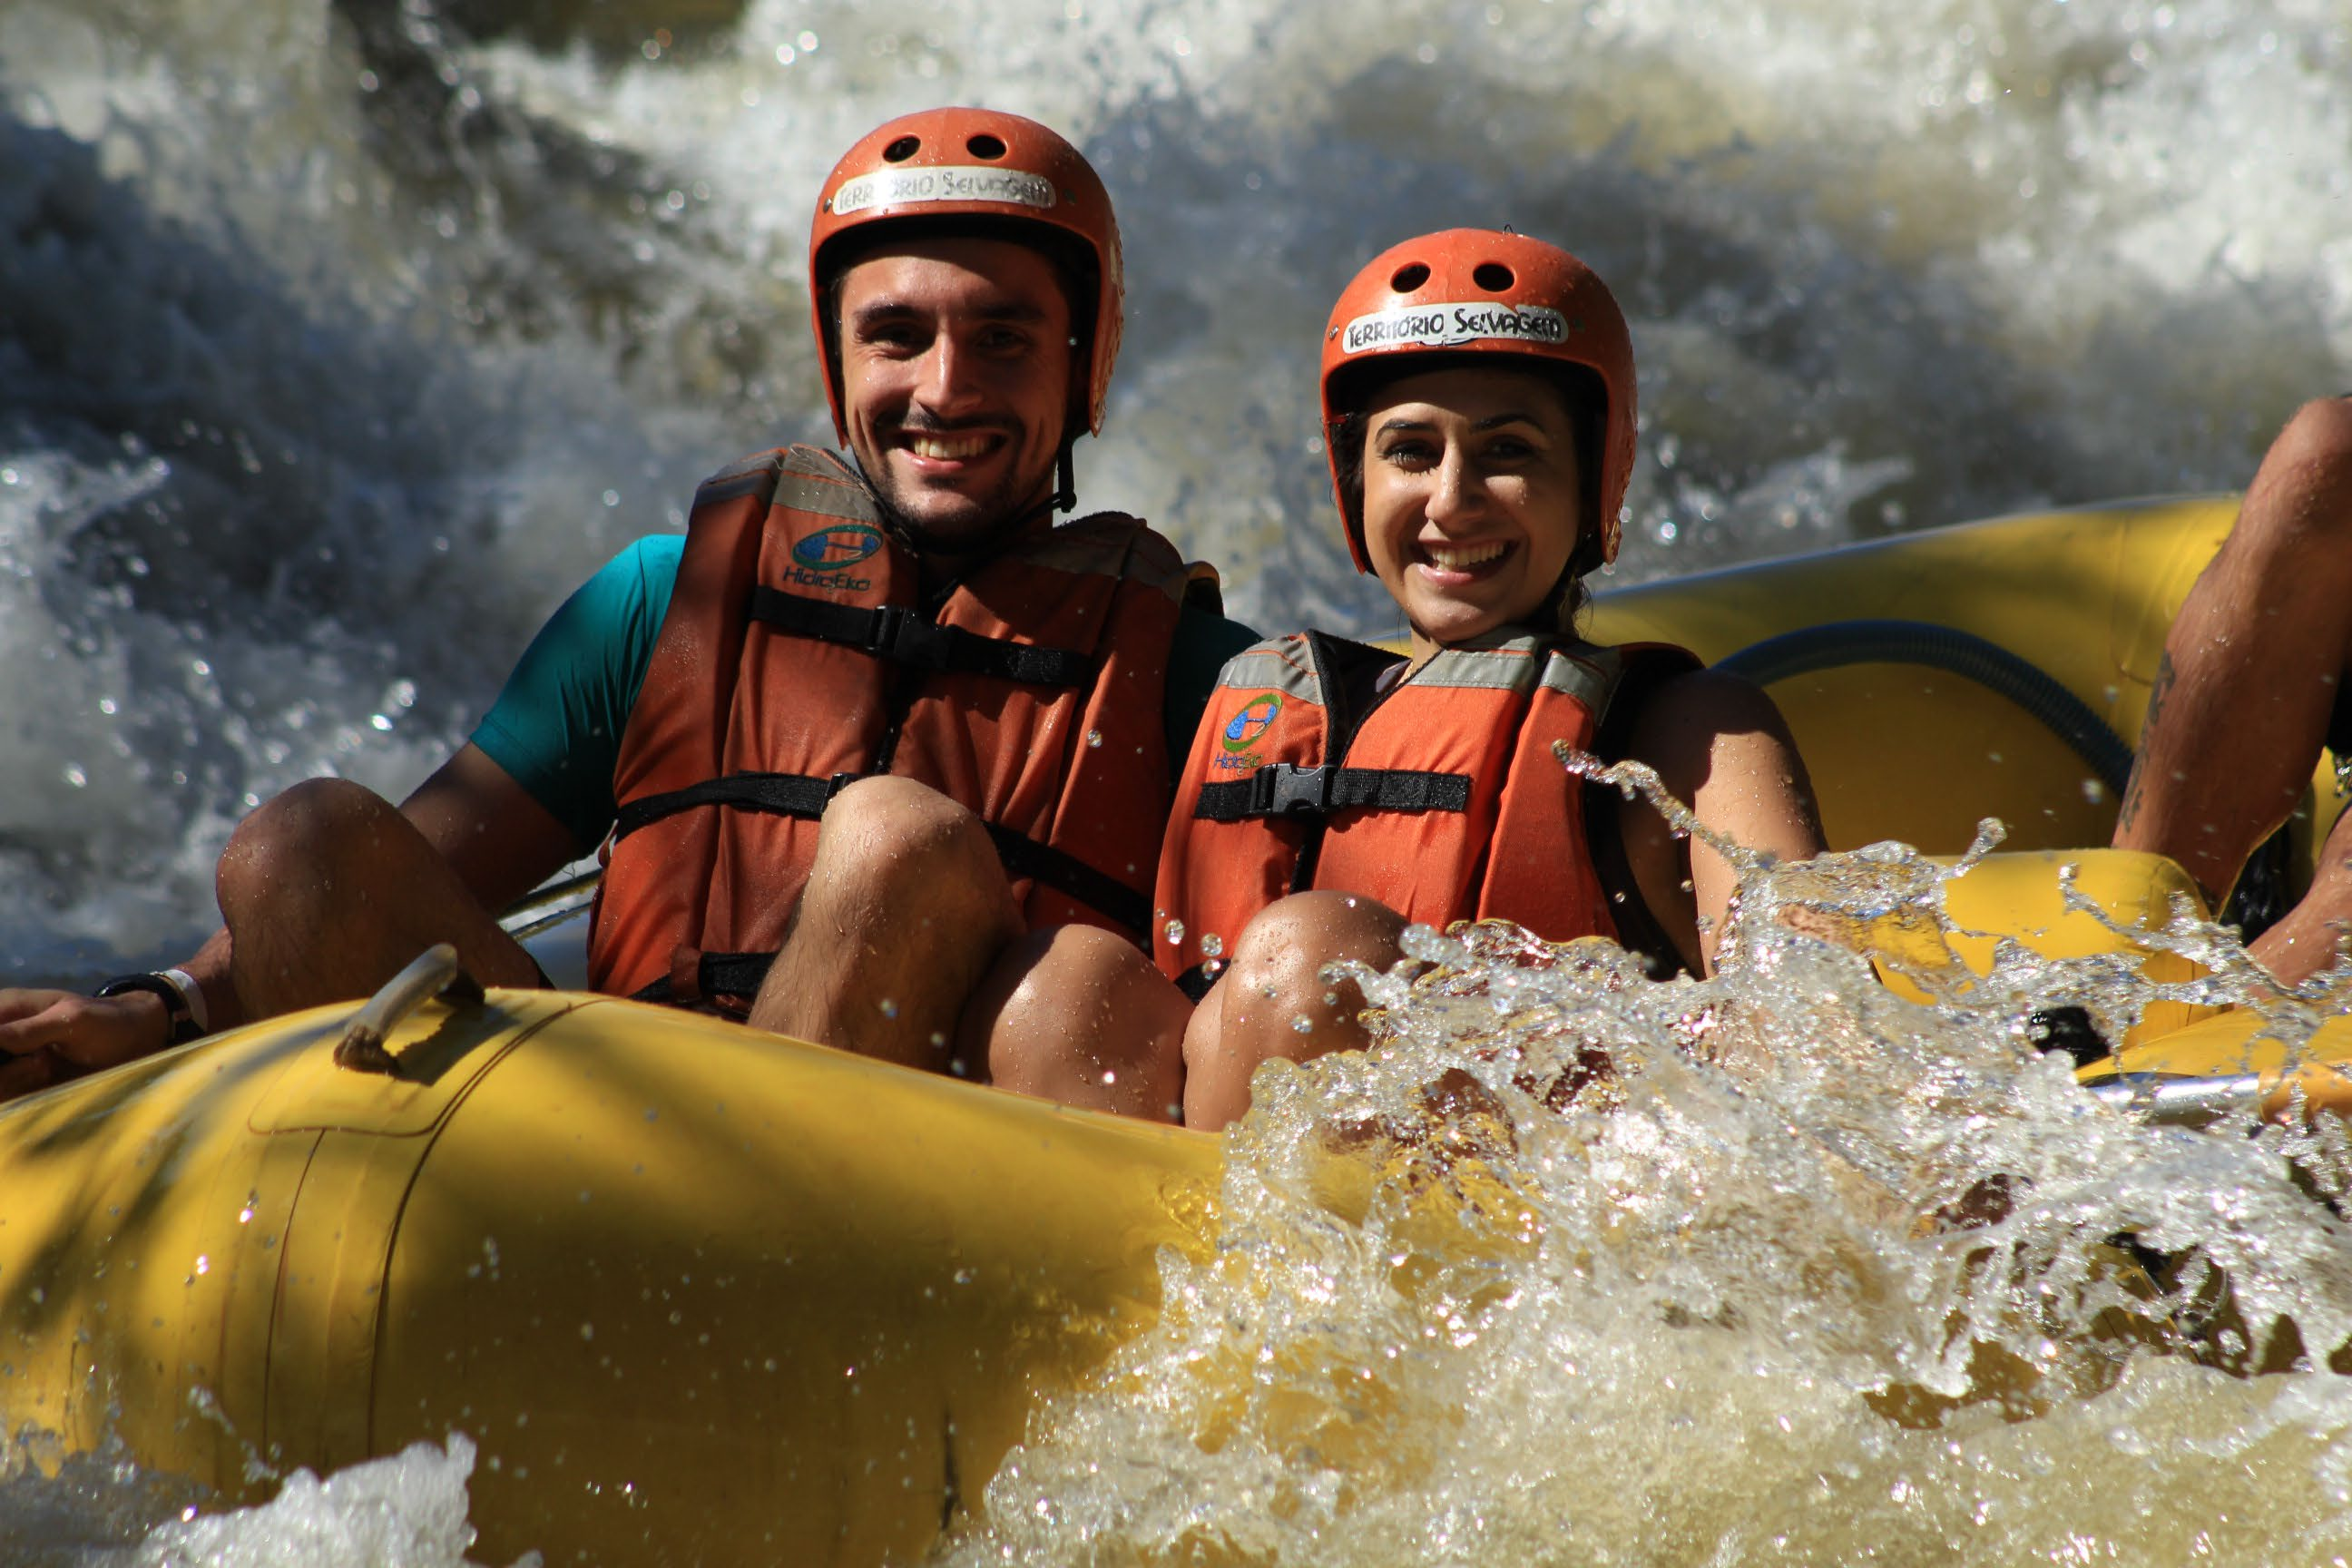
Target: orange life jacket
{"x":796,"y":657}
{"x":1444,"y":800}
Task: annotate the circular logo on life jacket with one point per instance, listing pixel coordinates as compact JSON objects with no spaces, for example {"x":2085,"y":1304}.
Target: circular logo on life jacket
{"x":843,"y":545}
{"x":1252,"y":721}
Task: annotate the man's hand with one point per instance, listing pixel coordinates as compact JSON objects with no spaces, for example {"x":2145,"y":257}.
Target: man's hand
{"x":47,"y":1037}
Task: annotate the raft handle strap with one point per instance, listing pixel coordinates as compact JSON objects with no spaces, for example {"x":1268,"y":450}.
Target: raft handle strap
{"x":905,"y":637}
{"x":435,"y":971}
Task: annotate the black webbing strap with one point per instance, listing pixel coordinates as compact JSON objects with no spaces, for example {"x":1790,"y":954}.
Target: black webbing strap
{"x":797,"y":794}
{"x":904,"y":637}
{"x":1284,"y":789}
{"x":717,"y":974}
{"x":1065,"y":873}
{"x":784,"y":794}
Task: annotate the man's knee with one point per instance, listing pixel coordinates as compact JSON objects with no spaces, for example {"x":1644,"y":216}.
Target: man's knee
{"x":2311,"y":462}
{"x":893,"y":832}
{"x":309,"y":834}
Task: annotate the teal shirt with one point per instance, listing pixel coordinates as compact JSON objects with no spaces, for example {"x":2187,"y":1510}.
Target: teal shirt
{"x":556,"y":725}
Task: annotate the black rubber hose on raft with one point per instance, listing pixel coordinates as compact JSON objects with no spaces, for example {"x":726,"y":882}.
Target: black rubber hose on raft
{"x":1841,"y":643}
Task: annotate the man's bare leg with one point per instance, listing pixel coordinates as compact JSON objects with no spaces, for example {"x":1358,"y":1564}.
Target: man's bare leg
{"x":329,"y":891}
{"x":2306,"y":938}
{"x":1079,"y":1016}
{"x":2253,"y":666}
{"x":906,"y":906}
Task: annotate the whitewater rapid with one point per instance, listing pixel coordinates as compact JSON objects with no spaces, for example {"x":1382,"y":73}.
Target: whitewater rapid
{"x":339,"y":342}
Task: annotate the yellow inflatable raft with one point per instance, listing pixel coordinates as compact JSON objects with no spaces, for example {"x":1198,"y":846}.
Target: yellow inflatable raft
{"x":704,"y":1295}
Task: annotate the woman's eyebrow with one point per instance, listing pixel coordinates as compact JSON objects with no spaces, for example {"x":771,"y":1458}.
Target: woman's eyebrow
{"x":1493,"y":421}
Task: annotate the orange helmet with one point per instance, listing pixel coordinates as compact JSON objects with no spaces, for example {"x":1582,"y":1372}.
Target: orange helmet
{"x":1477,"y":292}
{"x":972,"y":163}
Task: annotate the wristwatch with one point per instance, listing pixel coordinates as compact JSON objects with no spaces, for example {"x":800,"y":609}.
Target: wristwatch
{"x":180,"y":995}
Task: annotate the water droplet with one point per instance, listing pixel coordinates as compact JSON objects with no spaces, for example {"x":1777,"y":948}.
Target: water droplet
{"x":1174,"y":931}
{"x":1303,"y":1025}
{"x":587,"y":1331}
{"x":889,"y":1008}
{"x":1211,"y":944}
{"x":1094,"y":739}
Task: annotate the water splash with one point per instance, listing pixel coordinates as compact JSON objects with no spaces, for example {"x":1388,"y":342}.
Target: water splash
{"x":406,"y":1510}
{"x":1576,"y":1266}
{"x":339,"y":340}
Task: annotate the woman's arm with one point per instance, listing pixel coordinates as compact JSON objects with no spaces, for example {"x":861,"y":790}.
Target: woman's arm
{"x":1718,"y":743}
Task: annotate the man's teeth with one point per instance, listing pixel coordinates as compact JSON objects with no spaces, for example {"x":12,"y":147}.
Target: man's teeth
{"x":949,"y":448}
{"x":1457,"y":557}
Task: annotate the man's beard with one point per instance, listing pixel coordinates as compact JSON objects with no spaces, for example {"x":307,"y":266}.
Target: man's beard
{"x":987,"y":521}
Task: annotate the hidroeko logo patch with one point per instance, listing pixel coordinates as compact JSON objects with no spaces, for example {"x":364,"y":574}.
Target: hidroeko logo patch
{"x":843,"y":545}
{"x":1251,"y":722}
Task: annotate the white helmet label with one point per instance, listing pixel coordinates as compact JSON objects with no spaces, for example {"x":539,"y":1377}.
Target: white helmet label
{"x":1443,"y":326}
{"x":953,"y":182}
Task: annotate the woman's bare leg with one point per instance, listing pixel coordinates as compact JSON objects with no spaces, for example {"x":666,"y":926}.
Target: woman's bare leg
{"x":1272,"y":982}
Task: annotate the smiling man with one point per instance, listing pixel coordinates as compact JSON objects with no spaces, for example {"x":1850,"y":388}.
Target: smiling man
{"x":870,"y":720}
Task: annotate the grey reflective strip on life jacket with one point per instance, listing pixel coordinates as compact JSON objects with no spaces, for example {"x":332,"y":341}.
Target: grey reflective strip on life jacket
{"x":800,"y":477}
{"x":1589,"y":676}
{"x":1266,"y":667}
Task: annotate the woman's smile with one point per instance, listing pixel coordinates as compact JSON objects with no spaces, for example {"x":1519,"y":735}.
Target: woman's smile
{"x":1473,"y":500}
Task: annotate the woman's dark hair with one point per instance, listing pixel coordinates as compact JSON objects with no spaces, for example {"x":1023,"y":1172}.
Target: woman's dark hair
{"x":1581,"y":389}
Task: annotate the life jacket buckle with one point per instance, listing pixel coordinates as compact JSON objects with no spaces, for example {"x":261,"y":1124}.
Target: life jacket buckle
{"x":1293,"y":791}
{"x":837,"y":783}
{"x":901,"y":635}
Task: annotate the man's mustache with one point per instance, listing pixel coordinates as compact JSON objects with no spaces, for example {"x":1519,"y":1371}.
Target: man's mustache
{"x":918,"y":423}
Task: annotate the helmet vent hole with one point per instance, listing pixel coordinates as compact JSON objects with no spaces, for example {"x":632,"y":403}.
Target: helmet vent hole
{"x":1409,"y":277}
{"x":985,"y":146}
{"x":901,"y":150}
{"x":1491,"y":276}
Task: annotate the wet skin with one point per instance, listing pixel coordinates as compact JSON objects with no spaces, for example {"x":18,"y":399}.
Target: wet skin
{"x":955,"y":371}
{"x":1471,"y":500}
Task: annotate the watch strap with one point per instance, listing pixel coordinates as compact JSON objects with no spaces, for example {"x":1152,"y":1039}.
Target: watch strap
{"x":176,"y":1011}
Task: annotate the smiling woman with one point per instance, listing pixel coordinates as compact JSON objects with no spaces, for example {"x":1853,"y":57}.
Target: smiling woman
{"x":1471,"y":500}
{"x":1478,"y":393}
